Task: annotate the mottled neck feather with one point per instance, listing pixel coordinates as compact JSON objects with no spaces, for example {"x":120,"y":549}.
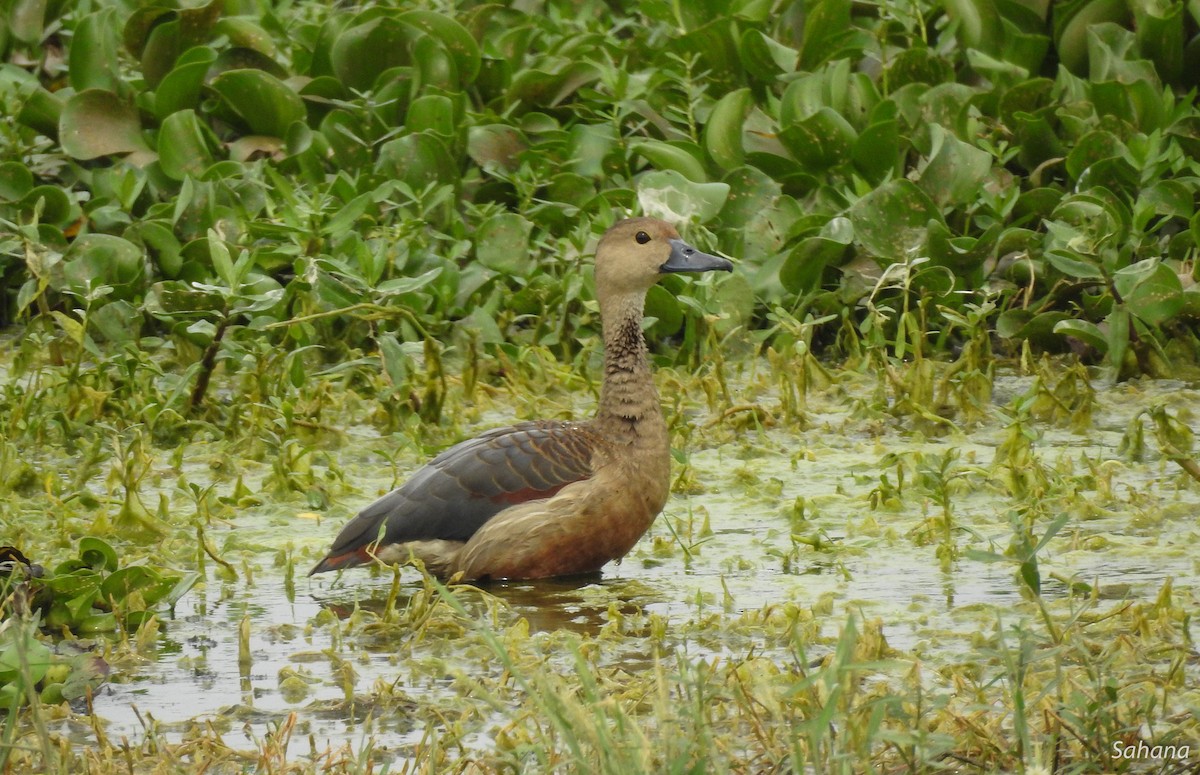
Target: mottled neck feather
{"x":629,"y":407}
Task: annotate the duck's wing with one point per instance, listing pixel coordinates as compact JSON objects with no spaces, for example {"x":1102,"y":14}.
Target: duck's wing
{"x":468,"y":484}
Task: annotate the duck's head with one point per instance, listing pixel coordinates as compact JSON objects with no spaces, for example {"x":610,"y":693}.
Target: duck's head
{"x":635,"y":252}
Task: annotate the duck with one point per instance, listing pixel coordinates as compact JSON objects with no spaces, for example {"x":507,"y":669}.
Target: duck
{"x":547,"y":498}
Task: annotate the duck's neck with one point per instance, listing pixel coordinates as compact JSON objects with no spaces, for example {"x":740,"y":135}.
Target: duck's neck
{"x":629,"y":408}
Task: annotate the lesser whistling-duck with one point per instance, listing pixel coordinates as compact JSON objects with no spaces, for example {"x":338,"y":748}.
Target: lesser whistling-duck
{"x":547,"y":498}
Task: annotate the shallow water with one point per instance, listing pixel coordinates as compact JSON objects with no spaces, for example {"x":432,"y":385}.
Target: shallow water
{"x":867,"y":563}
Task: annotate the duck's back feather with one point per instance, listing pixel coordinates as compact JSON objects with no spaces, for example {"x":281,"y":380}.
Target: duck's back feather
{"x":461,"y":489}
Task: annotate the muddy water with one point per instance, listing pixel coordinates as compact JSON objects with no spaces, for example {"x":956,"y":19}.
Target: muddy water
{"x":1141,"y":532}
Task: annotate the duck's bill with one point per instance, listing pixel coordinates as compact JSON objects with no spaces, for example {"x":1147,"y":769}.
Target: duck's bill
{"x":685,"y":258}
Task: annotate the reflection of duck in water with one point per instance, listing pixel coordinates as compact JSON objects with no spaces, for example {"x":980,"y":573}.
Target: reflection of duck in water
{"x":547,"y":498}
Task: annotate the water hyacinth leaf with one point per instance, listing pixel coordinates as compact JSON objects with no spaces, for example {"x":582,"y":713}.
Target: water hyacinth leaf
{"x":29,"y":654}
{"x":764,"y":57}
{"x":160,"y":51}
{"x":432,"y":113}
{"x":160,"y":243}
{"x":662,"y":305}
{"x":97,"y":553}
{"x":669,"y":195}
{"x":1150,"y":290}
{"x":117,"y":321}
{"x":979,"y":23}
{"x":452,"y":36}
{"x":141,"y":22}
{"x":27,"y":19}
{"x":954,"y":170}
{"x":1038,"y":328}
{"x":495,"y":146}
{"x":876,"y":152}
{"x":360,"y":53}
{"x":15,"y":181}
{"x":827,"y":32}
{"x":502,"y":244}
{"x":266,"y":104}
{"x":97,"y":123}
{"x":245,"y":59}
{"x":1085,"y":331}
{"x":1072,"y":23}
{"x":821,"y":140}
{"x":804,"y":266}
{"x":752,"y":192}
{"x":1093,"y":147}
{"x":418,"y":160}
{"x":42,"y":112}
{"x":434,"y":66}
{"x":180,"y":89}
{"x":546,"y":88}
{"x":102,"y":259}
{"x":891,"y":221}
{"x":1159,"y":30}
{"x":182,"y":146}
{"x":94,"y":62}
{"x":52,"y":203}
{"x":120,"y":583}
{"x":180,"y":587}
{"x":723,"y":130}
{"x":244,"y":32}
{"x":670,"y":156}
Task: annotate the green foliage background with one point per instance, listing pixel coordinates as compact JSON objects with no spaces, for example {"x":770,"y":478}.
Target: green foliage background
{"x":393,"y":177}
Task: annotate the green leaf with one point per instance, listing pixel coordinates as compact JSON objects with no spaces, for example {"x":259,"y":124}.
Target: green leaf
{"x":954,"y":171}
{"x":182,"y":146}
{"x":266,"y":104}
{"x":891,"y":221}
{"x":979,"y":23}
{"x":362,"y":52}
{"x":669,"y":156}
{"x":53,"y":204}
{"x":433,"y":113}
{"x":1084,"y":331}
{"x":221,"y":260}
{"x":822,"y":140}
{"x":669,"y":195}
{"x":502,"y":244}
{"x":662,"y":305}
{"x":723,"y":130}
{"x":452,"y":36}
{"x":94,"y":260}
{"x":805,"y":265}
{"x":401,"y":285}
{"x":15,"y":181}
{"x":764,"y":57}
{"x":418,"y":160}
{"x":1073,"y":267}
{"x":1072,"y":22}
{"x":180,"y":89}
{"x":98,"y":123}
{"x":94,"y":61}
{"x":42,"y":111}
{"x":121,"y":582}
{"x":1152,"y":292}
{"x":396,"y":363}
{"x":97,"y":554}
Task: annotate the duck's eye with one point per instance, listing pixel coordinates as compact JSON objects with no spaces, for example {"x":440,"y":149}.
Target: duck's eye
{"x":642,"y":237}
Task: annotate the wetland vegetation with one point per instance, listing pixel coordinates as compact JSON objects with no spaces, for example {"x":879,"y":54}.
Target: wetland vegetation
{"x":935,"y":489}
